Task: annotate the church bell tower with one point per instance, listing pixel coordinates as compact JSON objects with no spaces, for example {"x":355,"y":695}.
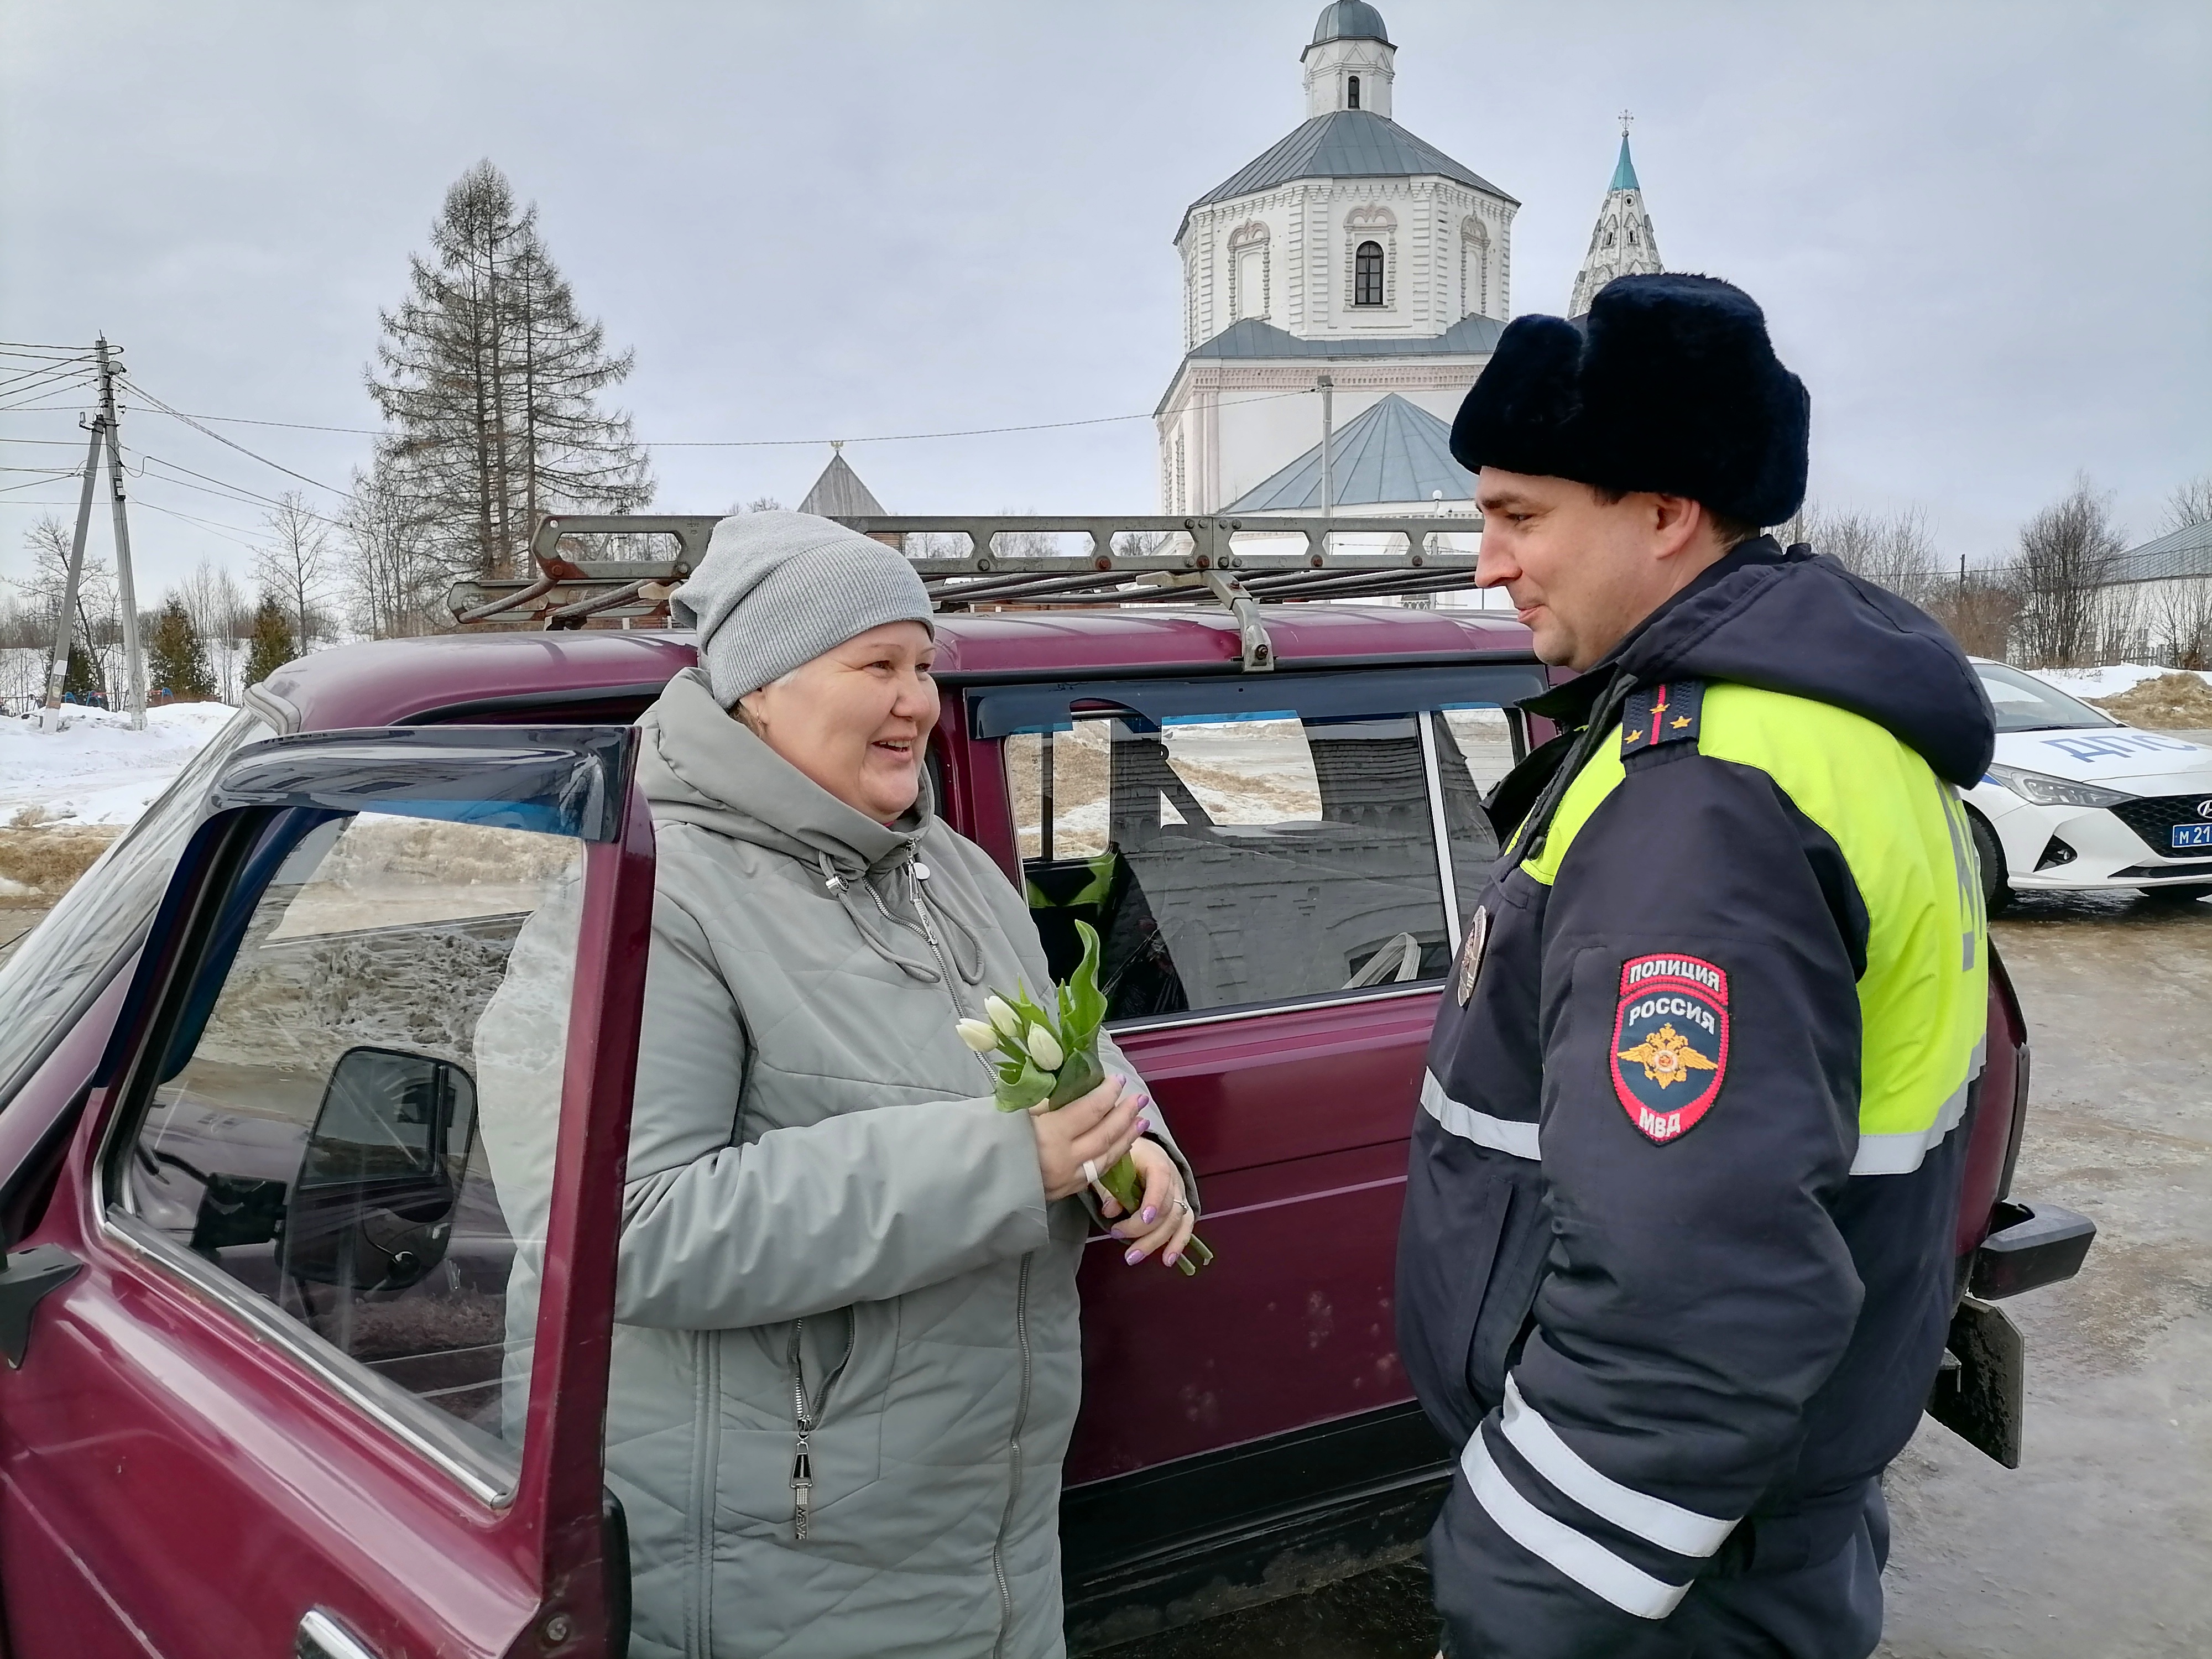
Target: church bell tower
{"x":1622,"y":243}
{"x":1350,"y":62}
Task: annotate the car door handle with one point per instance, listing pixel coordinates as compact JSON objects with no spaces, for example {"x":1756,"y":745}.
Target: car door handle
{"x":25,"y":1279}
{"x":322,"y":1637}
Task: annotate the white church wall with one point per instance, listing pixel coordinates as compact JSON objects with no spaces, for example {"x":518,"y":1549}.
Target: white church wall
{"x":1312,"y":230}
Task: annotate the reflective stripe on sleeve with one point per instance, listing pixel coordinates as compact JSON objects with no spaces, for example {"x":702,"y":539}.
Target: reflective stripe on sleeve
{"x":1903,"y":1152}
{"x":1499,"y":1133}
{"x":1586,"y":1561}
{"x":1668,"y":1525}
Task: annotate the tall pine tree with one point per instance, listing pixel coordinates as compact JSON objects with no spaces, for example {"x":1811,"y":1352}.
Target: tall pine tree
{"x":490,"y":379}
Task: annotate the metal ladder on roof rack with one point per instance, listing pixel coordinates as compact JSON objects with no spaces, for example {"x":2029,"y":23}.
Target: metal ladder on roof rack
{"x":968,"y":561}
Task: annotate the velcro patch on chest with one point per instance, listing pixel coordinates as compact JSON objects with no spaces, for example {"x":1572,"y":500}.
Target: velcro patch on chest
{"x":1670,"y":1042}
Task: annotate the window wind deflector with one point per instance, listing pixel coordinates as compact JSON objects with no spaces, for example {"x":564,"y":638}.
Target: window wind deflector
{"x":997,"y":711}
{"x":562,"y":780}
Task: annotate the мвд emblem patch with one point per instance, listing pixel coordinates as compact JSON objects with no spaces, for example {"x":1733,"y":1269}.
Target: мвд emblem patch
{"x":1470,"y":953}
{"x":1670,"y":1042}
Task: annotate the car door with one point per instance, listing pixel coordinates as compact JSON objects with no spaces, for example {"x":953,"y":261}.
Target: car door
{"x":1277,"y":863}
{"x":307,"y":1326}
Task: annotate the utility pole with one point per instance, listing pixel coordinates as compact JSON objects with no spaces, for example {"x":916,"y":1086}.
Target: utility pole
{"x":65,"y":622}
{"x":1326,"y":386}
{"x":134,"y":664}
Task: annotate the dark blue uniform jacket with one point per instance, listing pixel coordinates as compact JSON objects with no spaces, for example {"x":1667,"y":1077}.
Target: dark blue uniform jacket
{"x":1677,"y":1353}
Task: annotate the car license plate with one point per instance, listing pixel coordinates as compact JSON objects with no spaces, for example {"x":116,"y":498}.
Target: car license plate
{"x":2192,"y":835}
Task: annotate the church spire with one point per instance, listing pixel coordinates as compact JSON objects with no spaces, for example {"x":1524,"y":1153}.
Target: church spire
{"x":1622,"y":243}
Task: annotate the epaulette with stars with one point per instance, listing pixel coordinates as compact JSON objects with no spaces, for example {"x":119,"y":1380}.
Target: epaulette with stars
{"x":1658,"y":715}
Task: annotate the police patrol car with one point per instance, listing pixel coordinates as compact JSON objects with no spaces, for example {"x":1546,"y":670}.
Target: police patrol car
{"x":2076,"y":799}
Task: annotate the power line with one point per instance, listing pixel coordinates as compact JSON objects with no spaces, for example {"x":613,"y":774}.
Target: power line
{"x":40,"y":392}
{"x":193,"y":422}
{"x":728,"y":443}
{"x":205,"y":524}
{"x":240,"y":492}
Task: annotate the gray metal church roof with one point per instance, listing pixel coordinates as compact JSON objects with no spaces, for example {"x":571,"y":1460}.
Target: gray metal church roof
{"x":839,"y":493}
{"x":2187,"y":552}
{"x":1393,"y":451}
{"x":1469,"y":336}
{"x":1345,"y":144}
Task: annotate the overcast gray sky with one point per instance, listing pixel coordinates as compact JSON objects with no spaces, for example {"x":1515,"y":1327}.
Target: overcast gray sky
{"x":1983,"y":233}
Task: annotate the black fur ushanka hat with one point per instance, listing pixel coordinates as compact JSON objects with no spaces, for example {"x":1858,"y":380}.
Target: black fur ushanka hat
{"x":1670,"y":385}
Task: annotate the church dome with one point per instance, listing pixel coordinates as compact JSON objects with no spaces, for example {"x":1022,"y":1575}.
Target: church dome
{"x":1349,"y":20}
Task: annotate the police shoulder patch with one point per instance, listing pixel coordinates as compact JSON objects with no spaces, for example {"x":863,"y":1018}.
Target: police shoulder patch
{"x":1656,"y":716}
{"x":1670,"y":1042}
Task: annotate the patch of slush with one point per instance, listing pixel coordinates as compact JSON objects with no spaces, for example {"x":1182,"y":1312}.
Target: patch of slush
{"x":97,"y":770}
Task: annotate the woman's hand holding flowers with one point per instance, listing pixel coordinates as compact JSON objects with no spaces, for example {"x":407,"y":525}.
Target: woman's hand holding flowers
{"x":1165,"y":1219}
{"x":1046,"y":1061}
{"x":1097,"y":1127}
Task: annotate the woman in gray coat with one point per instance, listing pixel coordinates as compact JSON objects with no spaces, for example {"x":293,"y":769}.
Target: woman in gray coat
{"x":846,"y":1363}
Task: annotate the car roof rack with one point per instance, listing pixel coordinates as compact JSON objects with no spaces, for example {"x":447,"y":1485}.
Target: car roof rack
{"x":969,"y":562}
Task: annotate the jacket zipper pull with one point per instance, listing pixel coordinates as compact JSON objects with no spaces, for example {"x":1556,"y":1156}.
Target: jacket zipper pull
{"x":802,"y":1486}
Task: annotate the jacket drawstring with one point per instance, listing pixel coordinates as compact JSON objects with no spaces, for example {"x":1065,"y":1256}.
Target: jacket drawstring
{"x":839,"y":887}
{"x":960,"y":933}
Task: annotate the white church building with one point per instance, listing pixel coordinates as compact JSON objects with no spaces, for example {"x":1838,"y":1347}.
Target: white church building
{"x":1353,"y":274}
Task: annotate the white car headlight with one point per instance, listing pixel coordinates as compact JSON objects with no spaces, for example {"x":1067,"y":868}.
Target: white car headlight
{"x":2046,"y":791}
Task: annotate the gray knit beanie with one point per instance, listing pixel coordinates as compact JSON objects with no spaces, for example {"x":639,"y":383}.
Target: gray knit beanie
{"x":778,"y":589}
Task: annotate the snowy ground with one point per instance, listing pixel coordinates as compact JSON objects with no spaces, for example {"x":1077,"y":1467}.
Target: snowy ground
{"x":2107,"y":682}
{"x":97,"y":770}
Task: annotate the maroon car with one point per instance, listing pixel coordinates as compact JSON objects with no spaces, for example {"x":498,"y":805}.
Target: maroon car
{"x":261,"y":1394}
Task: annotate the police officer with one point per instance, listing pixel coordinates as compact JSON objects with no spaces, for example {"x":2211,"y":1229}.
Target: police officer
{"x":1676,"y":1266}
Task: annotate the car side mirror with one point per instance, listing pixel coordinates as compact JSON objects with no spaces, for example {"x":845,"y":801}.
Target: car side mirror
{"x":372,"y":1207}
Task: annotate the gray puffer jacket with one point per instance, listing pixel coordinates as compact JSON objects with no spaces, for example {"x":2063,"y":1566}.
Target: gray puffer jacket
{"x":826,"y":1217}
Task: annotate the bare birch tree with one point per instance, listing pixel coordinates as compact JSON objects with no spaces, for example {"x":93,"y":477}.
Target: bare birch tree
{"x":222,"y":617}
{"x":98,"y":626}
{"x":2190,"y":503}
{"x":2066,"y":556}
{"x":1892,"y":550}
{"x":491,"y":380}
{"x":396,"y":576}
{"x":2178,"y":612}
{"x":294,"y":565}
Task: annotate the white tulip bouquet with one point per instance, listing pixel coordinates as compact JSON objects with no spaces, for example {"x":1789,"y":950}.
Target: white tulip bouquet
{"x":1047,"y":1057}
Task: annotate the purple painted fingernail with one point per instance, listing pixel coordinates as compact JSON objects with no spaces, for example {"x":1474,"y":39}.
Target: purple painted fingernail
{"x":1143,"y":1124}
{"x":1151,"y":1213}
{"x":1172,"y":1257}
{"x":1132,"y":1257}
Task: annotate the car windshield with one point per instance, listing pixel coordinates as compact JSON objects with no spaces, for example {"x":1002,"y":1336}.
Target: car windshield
{"x":47,"y":974}
{"x":2025,"y":703}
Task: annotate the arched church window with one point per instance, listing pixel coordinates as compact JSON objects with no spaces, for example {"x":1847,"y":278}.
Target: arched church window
{"x":1248,"y":269}
{"x":1352,"y":93}
{"x":1367,"y":275}
{"x":1473,"y":267}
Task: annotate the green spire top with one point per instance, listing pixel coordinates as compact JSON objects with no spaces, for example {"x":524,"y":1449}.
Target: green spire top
{"x":1623,"y":170}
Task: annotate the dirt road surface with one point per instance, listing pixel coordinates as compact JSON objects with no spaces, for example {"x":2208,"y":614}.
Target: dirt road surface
{"x":2100,"y":1546}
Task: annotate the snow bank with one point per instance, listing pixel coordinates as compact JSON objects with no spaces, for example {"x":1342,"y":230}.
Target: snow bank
{"x":2107,"y":682}
{"x":97,"y":770}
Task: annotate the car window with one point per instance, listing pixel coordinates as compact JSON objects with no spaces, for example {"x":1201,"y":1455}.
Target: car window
{"x":1475,"y":747}
{"x":1254,"y":858}
{"x":316,"y":1136}
{"x":2025,"y":703}
{"x":49,"y":972}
